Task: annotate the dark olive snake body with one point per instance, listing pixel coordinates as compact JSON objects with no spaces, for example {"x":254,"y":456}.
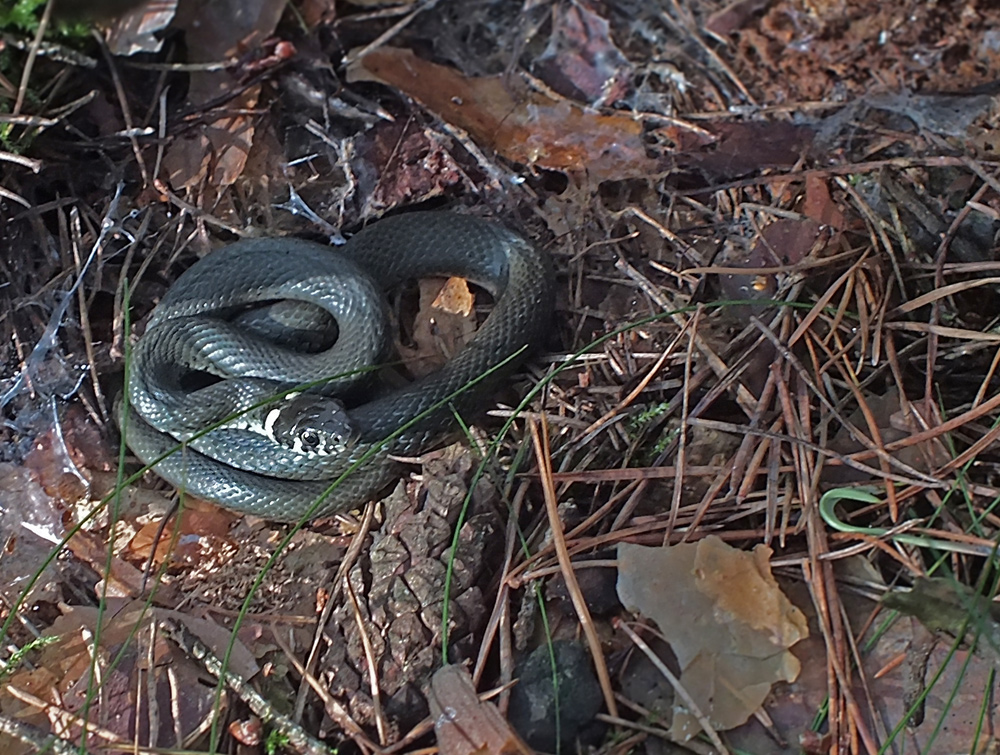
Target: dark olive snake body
{"x":206,"y":324}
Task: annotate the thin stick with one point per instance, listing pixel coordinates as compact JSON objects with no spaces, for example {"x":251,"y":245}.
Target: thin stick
{"x":381,"y":723}
{"x":38,"y":739}
{"x":541,"y":444}
{"x":29,"y":64}
{"x":195,"y":648}
{"x":693,"y":708}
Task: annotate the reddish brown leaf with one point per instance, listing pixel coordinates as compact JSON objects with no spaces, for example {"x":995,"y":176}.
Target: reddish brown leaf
{"x":581,"y":60}
{"x":525,"y":126}
{"x":819,"y":205}
{"x":204,"y":533}
{"x":734,"y":16}
{"x":410,"y":163}
{"x":123,"y":580}
{"x":784,"y":242}
{"x":746,"y":147}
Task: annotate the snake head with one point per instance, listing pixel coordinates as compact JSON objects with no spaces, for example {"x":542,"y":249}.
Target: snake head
{"x":312,"y":425}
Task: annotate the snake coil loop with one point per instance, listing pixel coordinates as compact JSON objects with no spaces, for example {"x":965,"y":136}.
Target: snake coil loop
{"x":259,"y":429}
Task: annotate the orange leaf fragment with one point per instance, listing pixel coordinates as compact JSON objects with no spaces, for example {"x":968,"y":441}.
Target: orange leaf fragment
{"x":455,"y":298}
{"x":443,"y":324}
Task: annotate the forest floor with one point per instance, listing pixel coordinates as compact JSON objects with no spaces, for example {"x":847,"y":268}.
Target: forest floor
{"x":741,"y":500}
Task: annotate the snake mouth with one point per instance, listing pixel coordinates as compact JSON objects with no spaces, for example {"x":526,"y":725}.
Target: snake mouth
{"x":310,"y":424}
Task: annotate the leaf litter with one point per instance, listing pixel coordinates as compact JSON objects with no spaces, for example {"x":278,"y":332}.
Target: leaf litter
{"x":727,"y":622}
{"x":831,"y":166}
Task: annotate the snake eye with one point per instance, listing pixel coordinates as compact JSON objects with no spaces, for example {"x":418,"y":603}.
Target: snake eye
{"x":310,"y":439}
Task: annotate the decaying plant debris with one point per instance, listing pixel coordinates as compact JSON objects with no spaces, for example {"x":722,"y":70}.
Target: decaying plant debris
{"x":775,"y":233}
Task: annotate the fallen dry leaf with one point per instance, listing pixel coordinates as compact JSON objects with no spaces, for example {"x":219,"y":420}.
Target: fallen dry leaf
{"x":186,"y":161}
{"x":463,"y":724}
{"x":728,"y":150}
{"x":443,"y":324}
{"x":203,"y":535}
{"x":135,"y":31}
{"x":732,"y":17}
{"x":183,"y":704}
{"x":581,"y":60}
{"x":782,"y":243}
{"x":412,"y":165}
{"x":819,"y":205}
{"x":727,"y":622}
{"x":525,"y":126}
{"x":895,"y":419}
{"x":122,"y":579}
{"x":455,"y":298}
{"x":215,"y":31}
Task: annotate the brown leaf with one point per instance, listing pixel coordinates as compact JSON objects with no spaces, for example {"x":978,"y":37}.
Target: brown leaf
{"x":525,"y":126}
{"x":123,"y":580}
{"x":231,"y":138}
{"x":204,"y":531}
{"x":64,"y":459}
{"x":220,"y":30}
{"x":726,"y":620}
{"x":463,"y":724}
{"x":412,"y":166}
{"x":738,"y":149}
{"x":186,"y":161}
{"x":734,"y":16}
{"x":439,"y":332}
{"x":182,"y":704}
{"x":783,"y":242}
{"x":819,"y":205}
{"x":895,"y":419}
{"x":136,"y":30}
{"x":581,"y":60}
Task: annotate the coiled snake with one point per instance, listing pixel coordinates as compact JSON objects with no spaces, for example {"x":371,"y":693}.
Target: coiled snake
{"x":212,"y":356}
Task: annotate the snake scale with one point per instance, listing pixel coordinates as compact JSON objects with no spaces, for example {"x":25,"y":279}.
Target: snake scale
{"x":211,"y":357}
